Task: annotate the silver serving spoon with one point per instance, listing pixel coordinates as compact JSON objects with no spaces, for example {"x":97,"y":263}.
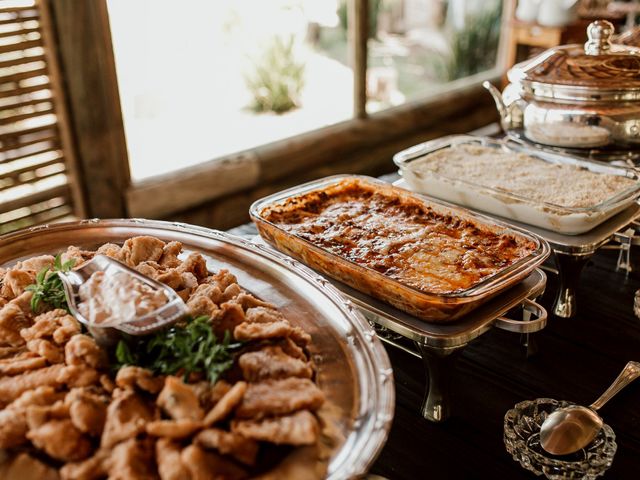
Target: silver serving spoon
{"x":569,"y":429}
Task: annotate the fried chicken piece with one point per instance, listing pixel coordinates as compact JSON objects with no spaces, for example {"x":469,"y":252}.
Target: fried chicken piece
{"x":23,"y":301}
{"x":248,"y":301}
{"x":106,"y":383}
{"x":170,"y":254}
{"x":171,"y":277}
{"x":46,"y":349}
{"x":93,"y":468}
{"x":141,"y":249}
{"x":68,"y":327}
{"x":48,"y":332}
{"x":87,"y":410}
{"x":184,"y":294}
{"x":222,"y":279}
{"x":13,"y":429}
{"x":15,"y":316}
{"x":292,"y":349}
{"x":272,"y":363}
{"x":61,"y":440}
{"x":179,"y":400}
{"x":238,"y":446}
{"x":264,"y":331}
{"x":174,"y":429}
{"x":132,"y":460}
{"x":209,"y":290}
{"x":76,"y":376}
{"x":44,"y":395}
{"x":127,"y":416}
{"x":130,"y":377}
{"x":196,"y":265}
{"x":35,"y":264}
{"x":15,"y":281}
{"x":150,"y":269}
{"x":227,"y":403}
{"x":228,"y":317}
{"x":12,"y":387}
{"x":301,"y":428}
{"x":263,"y":315}
{"x":279,"y":397}
{"x":38,"y":415}
{"x":44,"y":325}
{"x":83,"y":350}
{"x":170,"y":466}
{"x":219,"y":390}
{"x":21,"y":363}
{"x":231,"y":292}
{"x":76,"y":254}
{"x":10,"y":352}
{"x":205,"y":300}
{"x":24,"y":467}
{"x":207,"y":465}
{"x":110,"y":250}
{"x":13,"y":421}
{"x":200,"y":305}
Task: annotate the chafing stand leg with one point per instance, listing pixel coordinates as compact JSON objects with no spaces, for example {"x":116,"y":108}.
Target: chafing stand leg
{"x":528,"y":340}
{"x":569,"y":269}
{"x":439,"y":365}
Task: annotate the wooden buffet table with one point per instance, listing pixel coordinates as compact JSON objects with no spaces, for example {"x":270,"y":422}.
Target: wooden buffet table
{"x":576,"y":360}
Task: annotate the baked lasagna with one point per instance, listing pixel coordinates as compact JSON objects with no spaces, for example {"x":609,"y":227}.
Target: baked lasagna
{"x":397,"y":235}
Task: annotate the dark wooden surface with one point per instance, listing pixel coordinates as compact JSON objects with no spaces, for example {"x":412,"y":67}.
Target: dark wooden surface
{"x":577,"y":360}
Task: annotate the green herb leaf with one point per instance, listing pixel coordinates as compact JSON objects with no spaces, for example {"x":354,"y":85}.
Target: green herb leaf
{"x":186,"y":349}
{"x":48,"y":288}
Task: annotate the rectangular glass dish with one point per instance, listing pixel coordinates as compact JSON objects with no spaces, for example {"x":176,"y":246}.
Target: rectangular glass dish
{"x":436,"y":304}
{"x":413,"y":164}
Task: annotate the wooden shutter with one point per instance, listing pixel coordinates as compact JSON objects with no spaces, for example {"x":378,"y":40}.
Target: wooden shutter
{"x":38,"y":181}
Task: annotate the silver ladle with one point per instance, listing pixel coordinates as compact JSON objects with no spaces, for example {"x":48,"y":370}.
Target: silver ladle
{"x":569,"y":429}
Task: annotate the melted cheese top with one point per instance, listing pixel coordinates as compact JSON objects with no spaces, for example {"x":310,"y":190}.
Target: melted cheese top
{"x":401,"y":238}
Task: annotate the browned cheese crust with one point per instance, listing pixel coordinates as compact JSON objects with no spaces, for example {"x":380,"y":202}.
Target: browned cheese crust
{"x":398,"y":236}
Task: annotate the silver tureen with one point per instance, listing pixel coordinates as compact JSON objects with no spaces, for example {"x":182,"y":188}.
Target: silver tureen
{"x":576,"y":96}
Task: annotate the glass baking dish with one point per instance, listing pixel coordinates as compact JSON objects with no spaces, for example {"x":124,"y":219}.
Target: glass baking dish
{"x":434,"y":307}
{"x":550,"y":216}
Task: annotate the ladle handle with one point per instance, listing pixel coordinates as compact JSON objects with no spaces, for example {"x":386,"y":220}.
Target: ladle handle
{"x":629,"y":373}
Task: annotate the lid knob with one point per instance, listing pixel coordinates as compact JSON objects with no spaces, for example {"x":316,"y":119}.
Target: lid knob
{"x":599,"y":33}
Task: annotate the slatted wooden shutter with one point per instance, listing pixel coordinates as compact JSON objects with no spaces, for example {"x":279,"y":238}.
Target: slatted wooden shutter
{"x":38,"y":181}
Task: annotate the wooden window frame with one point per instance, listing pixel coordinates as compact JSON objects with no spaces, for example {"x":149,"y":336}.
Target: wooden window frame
{"x":86,"y":55}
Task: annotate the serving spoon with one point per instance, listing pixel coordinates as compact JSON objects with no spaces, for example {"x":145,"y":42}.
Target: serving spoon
{"x":569,"y":429}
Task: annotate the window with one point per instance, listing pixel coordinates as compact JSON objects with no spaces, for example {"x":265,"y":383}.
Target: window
{"x":37,"y":184}
{"x":199,"y":80}
{"x":416,"y":47}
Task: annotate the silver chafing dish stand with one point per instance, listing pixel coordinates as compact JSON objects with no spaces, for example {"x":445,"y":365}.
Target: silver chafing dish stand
{"x":572,"y":252}
{"x":439,"y":345}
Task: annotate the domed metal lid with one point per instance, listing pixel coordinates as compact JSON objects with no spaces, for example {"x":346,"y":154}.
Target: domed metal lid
{"x":598,"y":71}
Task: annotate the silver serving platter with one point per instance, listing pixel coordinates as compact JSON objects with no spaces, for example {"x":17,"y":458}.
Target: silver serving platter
{"x":353,"y":369}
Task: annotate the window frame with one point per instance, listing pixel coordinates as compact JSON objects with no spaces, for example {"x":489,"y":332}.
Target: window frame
{"x":87,"y":58}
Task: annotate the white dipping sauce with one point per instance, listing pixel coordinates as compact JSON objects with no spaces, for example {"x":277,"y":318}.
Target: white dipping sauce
{"x":117,"y":298}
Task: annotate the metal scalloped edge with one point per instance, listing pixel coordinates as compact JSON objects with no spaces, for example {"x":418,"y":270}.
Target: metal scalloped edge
{"x":375,"y":412}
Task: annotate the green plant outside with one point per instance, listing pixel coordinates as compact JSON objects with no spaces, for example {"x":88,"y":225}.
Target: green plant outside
{"x":277,"y":78}
{"x":474,"y":48}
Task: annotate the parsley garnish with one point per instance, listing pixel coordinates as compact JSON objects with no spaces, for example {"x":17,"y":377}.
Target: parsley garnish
{"x":186,"y":348}
{"x":48,"y":288}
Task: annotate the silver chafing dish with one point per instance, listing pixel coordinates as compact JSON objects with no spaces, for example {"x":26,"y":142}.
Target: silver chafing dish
{"x":576,"y":96}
